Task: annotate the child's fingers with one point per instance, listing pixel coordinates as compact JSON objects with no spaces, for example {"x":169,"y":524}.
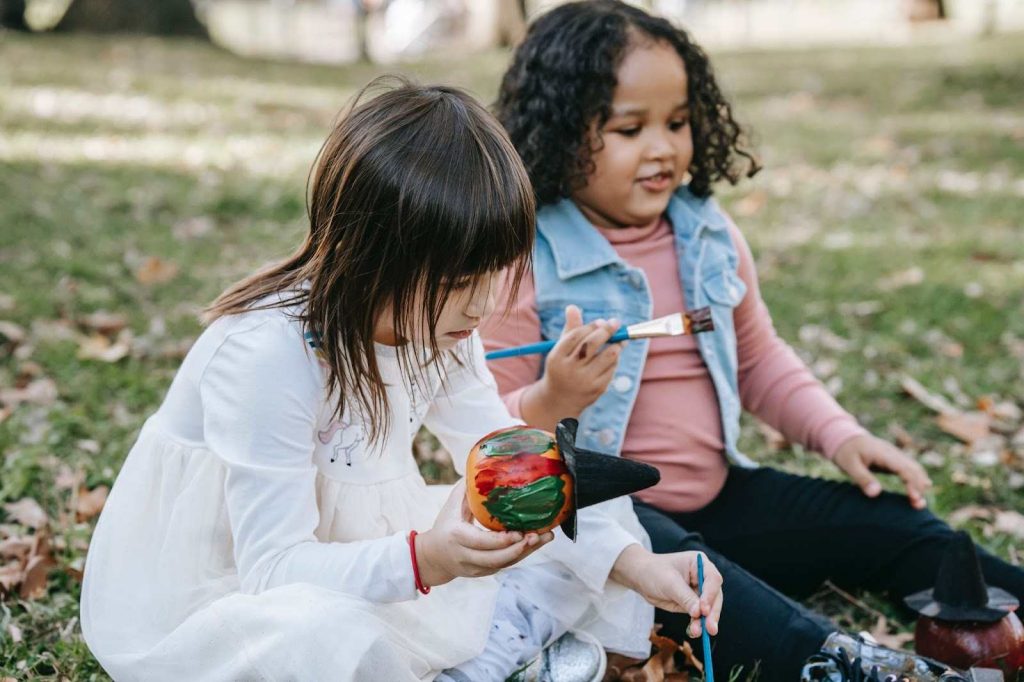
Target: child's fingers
{"x":471,"y":537}
{"x":860,"y":475}
{"x":716,"y":614}
{"x":573,"y":318}
{"x":497,"y":559}
{"x":712,"y":587}
{"x":593,"y":343}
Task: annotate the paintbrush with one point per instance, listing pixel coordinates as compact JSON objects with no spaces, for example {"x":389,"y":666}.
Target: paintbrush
{"x":709,"y":671}
{"x":676,"y":324}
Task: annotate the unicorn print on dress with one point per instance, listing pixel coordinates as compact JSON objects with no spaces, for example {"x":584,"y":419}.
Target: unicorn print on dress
{"x":347,"y":443}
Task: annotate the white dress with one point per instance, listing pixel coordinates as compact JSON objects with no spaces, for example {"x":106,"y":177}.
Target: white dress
{"x":251,"y":536}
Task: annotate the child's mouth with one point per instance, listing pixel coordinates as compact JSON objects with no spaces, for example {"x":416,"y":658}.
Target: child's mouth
{"x":658,"y":182}
{"x":464,"y":334}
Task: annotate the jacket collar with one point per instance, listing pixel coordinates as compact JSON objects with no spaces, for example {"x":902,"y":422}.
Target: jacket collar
{"x":578,"y":248}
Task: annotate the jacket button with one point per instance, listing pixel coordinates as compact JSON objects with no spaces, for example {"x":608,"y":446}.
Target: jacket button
{"x":622,"y":383}
{"x":606,"y":436}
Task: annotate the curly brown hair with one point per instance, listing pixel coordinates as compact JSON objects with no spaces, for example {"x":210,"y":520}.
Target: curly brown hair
{"x":562,"y":79}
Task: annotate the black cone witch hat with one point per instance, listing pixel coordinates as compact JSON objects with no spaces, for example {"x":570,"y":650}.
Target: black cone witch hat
{"x":960,"y":593}
{"x":597,"y":477}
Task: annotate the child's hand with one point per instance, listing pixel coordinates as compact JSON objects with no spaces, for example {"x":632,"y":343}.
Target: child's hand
{"x":456,"y":548}
{"x":860,"y":455}
{"x":579,"y":367}
{"x":669,"y":582}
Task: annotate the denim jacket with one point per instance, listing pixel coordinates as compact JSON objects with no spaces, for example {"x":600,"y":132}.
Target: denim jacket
{"x":574,"y":263}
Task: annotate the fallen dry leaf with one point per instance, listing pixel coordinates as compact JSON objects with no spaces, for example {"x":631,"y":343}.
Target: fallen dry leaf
{"x":16,"y":547}
{"x":880,"y":632}
{"x":155,"y":270}
{"x":1010,"y":522}
{"x":932,"y":401}
{"x":100,"y":347}
{"x":969,"y":513}
{"x":970,"y":427}
{"x":904,"y":278}
{"x":27,"y":512}
{"x":10,"y":576}
{"x":90,"y":502}
{"x":103,"y":322}
{"x":11,"y":333}
{"x":42,"y":391}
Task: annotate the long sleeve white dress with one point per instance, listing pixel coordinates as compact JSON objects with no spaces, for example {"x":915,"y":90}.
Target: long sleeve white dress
{"x":250,"y":535}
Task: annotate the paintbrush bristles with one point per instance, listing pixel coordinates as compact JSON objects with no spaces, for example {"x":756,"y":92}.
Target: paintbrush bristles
{"x":676,"y":324}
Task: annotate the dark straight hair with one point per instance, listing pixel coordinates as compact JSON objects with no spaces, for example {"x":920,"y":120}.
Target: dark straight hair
{"x":415,"y":191}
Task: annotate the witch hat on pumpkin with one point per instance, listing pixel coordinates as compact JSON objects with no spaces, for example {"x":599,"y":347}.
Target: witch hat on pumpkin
{"x":530,"y":480}
{"x":960,"y":593}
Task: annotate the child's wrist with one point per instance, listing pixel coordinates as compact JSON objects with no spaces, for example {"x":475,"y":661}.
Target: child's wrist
{"x":431,"y":575}
{"x":549,"y":400}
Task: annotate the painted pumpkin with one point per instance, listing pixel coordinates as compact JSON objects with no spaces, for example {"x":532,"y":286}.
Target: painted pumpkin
{"x":516,"y":480}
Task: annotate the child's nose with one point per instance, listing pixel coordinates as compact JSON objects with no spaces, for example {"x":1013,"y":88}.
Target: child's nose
{"x":660,"y":146}
{"x":482,"y":303}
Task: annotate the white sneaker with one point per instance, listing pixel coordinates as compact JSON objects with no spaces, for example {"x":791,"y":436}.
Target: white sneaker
{"x":573,"y":657}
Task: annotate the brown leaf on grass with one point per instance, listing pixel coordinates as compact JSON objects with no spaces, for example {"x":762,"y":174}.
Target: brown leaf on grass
{"x":90,"y":502}
{"x":1010,"y":522}
{"x":618,"y":665}
{"x":899,"y":280}
{"x":68,"y":478}
{"x":970,"y":427}
{"x":27,"y":512}
{"x":775,"y":440}
{"x":881,"y":633}
{"x":10,"y":576}
{"x":33,"y":582}
{"x":100,"y":347}
{"x":155,"y":270}
{"x":16,"y":547}
{"x":42,"y":391}
{"x":11,"y":334}
{"x":103,"y":322}
{"x":28,"y":575}
{"x":932,"y":401}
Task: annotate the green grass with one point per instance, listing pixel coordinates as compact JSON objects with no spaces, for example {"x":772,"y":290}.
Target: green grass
{"x":113,"y":151}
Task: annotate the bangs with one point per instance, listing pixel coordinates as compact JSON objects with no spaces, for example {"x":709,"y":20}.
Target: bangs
{"x":464,"y":201}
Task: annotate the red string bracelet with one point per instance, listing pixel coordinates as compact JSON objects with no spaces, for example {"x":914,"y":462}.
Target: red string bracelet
{"x":415,"y":565}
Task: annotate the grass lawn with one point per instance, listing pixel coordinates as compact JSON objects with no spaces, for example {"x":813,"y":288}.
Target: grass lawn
{"x":139,"y":177}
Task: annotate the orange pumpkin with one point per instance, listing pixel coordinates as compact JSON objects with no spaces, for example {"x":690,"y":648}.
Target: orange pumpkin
{"x":516,"y":479}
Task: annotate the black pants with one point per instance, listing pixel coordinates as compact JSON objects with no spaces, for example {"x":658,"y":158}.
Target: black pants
{"x":777,"y":537}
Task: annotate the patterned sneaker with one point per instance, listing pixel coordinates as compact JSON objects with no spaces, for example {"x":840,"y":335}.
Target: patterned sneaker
{"x":852,"y":658}
{"x":573,"y":657}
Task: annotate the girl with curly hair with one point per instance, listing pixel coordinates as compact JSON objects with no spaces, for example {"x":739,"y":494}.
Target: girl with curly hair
{"x":624,"y":132}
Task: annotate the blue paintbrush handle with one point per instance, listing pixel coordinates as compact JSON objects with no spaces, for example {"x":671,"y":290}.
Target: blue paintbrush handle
{"x":544,"y":347}
{"x":709,"y":671}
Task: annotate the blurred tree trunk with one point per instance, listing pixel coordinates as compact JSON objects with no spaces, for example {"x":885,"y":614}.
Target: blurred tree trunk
{"x":163,"y":17}
{"x":12,"y":15}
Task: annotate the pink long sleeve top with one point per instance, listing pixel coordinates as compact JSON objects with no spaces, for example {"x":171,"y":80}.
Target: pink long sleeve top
{"x":775,"y":385}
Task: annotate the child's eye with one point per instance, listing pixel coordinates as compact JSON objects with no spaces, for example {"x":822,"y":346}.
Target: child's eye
{"x":678,"y":125}
{"x":462,"y":284}
{"x":629,"y":132}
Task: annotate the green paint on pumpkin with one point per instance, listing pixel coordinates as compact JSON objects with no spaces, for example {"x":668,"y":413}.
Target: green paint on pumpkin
{"x":529,"y":507}
{"x":518,"y":441}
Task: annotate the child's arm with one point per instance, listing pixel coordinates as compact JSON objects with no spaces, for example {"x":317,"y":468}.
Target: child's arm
{"x":260,"y":397}
{"x":777,"y":387}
